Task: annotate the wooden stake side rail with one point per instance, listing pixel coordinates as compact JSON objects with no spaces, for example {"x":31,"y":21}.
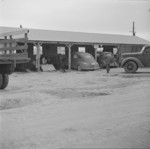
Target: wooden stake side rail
{"x":19,"y":40}
{"x":10,"y":50}
{"x":14,"y":62}
{"x":17,"y":59}
{"x":13,"y":55}
{"x":24,"y":47}
{"x":13,"y":51}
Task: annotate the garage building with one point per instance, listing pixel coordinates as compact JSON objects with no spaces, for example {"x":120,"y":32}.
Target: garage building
{"x":48,"y":43}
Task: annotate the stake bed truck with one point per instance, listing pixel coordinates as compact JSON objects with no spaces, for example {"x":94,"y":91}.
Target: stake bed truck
{"x":13,"y":50}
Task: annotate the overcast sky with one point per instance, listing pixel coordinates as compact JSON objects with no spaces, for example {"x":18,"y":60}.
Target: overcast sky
{"x":97,"y":16}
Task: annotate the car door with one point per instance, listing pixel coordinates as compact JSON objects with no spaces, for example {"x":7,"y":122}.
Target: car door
{"x":146,"y":57}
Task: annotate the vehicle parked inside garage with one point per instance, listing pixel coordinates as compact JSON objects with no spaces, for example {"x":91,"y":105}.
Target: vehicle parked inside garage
{"x":83,"y":61}
{"x":132,"y":61}
{"x":102,"y":58}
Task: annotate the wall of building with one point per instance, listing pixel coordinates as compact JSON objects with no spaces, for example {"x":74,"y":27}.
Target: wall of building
{"x":130,"y":48}
{"x":50,"y":51}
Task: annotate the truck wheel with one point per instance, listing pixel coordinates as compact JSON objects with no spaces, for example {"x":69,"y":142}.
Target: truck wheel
{"x":1,"y":80}
{"x":5,"y":80}
{"x":130,"y":67}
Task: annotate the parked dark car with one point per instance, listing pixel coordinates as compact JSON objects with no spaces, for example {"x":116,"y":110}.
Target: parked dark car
{"x":132,"y":61}
{"x":83,"y":61}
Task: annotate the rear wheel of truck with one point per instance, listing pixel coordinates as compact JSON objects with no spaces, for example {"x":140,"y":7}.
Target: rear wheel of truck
{"x":130,"y":67}
{"x":4,"y":79}
{"x":1,"y":80}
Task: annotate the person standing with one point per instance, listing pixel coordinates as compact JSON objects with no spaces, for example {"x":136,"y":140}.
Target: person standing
{"x":108,"y":59}
{"x":100,"y":59}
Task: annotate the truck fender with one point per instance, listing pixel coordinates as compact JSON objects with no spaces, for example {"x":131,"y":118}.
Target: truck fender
{"x":137,"y":61}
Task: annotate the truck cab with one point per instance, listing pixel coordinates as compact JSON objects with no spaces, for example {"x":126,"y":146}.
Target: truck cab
{"x":132,"y":61}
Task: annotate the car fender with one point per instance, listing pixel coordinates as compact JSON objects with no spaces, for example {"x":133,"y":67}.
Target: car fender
{"x":138,"y":62}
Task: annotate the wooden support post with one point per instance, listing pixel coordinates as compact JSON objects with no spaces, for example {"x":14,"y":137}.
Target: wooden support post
{"x":95,"y":50}
{"x":38,"y":56}
{"x":5,"y":45}
{"x":95,"y":54}
{"x":119,"y":55}
{"x":26,"y":37}
{"x":69,"y":55}
{"x":11,"y":51}
{"x":69,"y":58}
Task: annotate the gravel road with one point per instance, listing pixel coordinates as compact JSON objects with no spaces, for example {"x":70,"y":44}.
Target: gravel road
{"x":88,"y":109}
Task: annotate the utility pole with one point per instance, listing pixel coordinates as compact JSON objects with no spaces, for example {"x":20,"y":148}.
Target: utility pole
{"x":133,"y":30}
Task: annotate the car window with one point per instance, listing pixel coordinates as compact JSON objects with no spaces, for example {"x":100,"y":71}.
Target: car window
{"x":147,"y":50}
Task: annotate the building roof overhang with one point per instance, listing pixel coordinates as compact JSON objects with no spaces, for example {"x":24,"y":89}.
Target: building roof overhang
{"x":52,"y":36}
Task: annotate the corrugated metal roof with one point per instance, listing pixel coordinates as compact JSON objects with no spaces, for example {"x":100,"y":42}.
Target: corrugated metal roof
{"x":80,"y":37}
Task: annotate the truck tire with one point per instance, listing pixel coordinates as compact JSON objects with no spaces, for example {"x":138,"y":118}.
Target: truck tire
{"x":1,"y":80}
{"x":5,"y":80}
{"x":130,"y":67}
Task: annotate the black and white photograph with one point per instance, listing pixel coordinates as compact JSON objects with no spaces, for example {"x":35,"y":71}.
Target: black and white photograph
{"x":74,"y":74}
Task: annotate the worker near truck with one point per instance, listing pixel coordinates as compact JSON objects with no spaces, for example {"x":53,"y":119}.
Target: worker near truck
{"x":104,"y":60}
{"x":108,"y":61}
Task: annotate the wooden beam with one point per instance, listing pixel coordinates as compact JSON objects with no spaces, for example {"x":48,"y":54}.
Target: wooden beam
{"x":69,"y":60}
{"x":10,"y":45}
{"x":95,"y":54}
{"x":5,"y":44}
{"x":69,"y":55}
{"x":13,"y":55}
{"x":18,"y":59}
{"x":96,"y":46}
{"x":14,"y":48}
{"x":38,"y":55}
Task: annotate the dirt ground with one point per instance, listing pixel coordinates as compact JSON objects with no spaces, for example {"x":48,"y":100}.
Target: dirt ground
{"x":88,"y":109}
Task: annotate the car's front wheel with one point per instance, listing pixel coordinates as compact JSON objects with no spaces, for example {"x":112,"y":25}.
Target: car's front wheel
{"x":130,"y":67}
